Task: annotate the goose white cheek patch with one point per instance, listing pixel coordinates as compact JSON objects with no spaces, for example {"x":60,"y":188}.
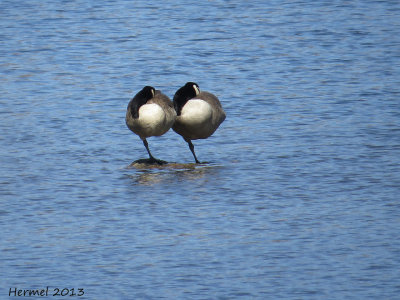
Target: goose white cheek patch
{"x":196,"y":89}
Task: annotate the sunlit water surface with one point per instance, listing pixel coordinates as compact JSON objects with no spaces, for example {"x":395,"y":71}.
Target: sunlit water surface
{"x":298,"y":197}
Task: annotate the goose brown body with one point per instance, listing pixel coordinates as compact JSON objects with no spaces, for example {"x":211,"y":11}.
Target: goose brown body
{"x":199,"y":114}
{"x":150,"y":113}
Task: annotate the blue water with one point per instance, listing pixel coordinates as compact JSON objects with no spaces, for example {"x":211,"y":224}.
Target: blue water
{"x":299,"y":195}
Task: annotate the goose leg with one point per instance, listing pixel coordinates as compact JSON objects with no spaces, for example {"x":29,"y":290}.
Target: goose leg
{"x":152,"y":158}
{"x":191,"y":147}
{"x":148,"y":150}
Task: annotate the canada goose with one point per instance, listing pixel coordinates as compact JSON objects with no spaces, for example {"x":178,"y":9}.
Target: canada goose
{"x":150,"y":113}
{"x":198,"y":114}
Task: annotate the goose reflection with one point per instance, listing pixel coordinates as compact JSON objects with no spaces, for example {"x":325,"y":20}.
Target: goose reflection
{"x":156,"y":174}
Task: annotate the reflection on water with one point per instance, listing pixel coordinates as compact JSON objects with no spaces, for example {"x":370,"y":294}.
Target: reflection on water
{"x":150,"y":174}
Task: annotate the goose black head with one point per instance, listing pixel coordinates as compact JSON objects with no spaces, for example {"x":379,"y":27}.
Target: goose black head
{"x":141,"y":98}
{"x":184,"y":94}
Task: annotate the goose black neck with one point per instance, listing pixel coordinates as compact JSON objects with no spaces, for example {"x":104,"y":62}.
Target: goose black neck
{"x":140,"y":99}
{"x":183,"y":95}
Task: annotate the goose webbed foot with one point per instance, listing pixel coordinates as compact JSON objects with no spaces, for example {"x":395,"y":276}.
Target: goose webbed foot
{"x":150,"y":161}
{"x":155,"y":161}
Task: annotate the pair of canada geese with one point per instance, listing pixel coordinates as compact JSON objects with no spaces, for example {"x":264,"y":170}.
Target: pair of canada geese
{"x":192,"y":114}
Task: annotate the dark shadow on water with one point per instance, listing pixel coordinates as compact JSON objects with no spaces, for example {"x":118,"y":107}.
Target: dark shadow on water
{"x":146,"y":173}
